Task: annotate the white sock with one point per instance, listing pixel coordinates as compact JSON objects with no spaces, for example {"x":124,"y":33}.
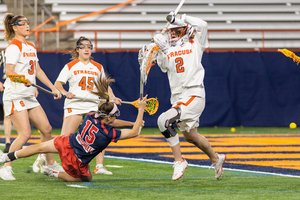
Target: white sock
{"x":55,"y":173}
{"x":52,"y":164}
{"x":99,"y":165}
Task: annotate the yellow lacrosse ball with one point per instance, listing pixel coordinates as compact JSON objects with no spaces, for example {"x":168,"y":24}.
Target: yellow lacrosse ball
{"x":293,"y":125}
{"x":232,"y":129}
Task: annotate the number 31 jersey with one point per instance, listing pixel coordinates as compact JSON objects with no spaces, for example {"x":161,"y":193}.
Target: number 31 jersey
{"x":24,"y":58}
{"x":81,"y":79}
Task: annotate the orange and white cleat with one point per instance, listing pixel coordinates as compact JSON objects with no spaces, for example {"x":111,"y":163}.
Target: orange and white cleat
{"x":219,"y":165}
{"x":179,"y":167}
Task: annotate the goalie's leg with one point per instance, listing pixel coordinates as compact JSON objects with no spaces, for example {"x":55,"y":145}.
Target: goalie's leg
{"x":165,"y":124}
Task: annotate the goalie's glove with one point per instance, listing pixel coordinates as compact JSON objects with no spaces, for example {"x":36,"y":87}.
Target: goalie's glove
{"x":176,"y":19}
{"x":162,"y":41}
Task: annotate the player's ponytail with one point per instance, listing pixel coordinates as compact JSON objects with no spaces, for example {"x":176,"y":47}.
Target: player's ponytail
{"x":9,"y":20}
{"x":102,"y":85}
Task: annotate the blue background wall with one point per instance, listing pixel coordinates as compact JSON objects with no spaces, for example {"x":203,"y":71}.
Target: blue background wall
{"x":242,"y":88}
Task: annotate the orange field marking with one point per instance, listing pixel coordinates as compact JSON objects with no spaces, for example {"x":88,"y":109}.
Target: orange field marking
{"x":268,"y":150}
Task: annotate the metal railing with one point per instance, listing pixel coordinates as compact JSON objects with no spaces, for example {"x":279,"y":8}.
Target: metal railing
{"x":261,"y":40}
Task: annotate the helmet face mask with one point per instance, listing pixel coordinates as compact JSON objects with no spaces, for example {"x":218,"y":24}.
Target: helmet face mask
{"x":176,"y":33}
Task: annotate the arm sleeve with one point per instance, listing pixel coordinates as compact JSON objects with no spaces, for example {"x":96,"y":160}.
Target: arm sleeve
{"x":201,"y":30}
{"x":64,"y":74}
{"x":12,"y":54}
{"x":162,"y":61}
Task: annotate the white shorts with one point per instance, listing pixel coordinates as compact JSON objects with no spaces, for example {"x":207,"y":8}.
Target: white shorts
{"x":75,"y":111}
{"x":19,"y":105}
{"x":191,"y":109}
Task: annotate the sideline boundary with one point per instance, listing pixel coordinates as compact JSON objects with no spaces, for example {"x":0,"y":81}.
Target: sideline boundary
{"x":200,"y":166}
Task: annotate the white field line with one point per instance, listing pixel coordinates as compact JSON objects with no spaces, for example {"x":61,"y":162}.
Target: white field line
{"x":201,"y":166}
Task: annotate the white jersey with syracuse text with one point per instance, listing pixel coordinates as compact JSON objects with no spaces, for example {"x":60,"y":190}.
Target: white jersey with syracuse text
{"x":24,"y":57}
{"x":81,"y":79}
{"x":183,"y":63}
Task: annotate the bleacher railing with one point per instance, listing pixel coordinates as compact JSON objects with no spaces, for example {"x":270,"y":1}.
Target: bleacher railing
{"x":261,"y":40}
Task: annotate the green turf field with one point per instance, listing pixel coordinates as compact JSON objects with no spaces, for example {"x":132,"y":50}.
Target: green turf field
{"x":144,"y":180}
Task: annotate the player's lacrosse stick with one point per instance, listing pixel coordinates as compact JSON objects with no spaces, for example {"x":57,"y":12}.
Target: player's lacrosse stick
{"x":290,"y":54}
{"x":149,"y":54}
{"x":151,"y":104}
{"x":20,"y":78}
{"x":175,"y":13}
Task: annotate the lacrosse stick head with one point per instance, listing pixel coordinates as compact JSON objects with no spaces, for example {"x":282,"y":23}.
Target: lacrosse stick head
{"x":20,"y":78}
{"x":290,"y":54}
{"x":151,"y":106}
{"x":148,"y":61}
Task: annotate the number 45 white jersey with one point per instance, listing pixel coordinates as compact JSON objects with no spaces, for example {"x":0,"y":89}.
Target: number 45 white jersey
{"x":81,"y":81}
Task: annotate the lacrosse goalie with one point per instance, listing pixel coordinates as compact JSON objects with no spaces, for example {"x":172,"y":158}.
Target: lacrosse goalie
{"x":180,"y":54}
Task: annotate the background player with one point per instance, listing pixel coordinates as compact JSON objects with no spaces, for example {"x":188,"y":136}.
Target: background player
{"x":180,"y":56}
{"x":6,"y":122}
{"x":18,"y":99}
{"x":80,"y":74}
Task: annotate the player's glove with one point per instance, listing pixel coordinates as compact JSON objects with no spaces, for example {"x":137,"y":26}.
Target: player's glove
{"x":176,"y":20}
{"x":171,"y":17}
{"x":161,"y":41}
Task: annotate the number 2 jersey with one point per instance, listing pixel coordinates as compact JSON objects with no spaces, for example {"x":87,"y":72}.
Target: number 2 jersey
{"x":24,"y":57}
{"x":81,"y":81}
{"x":183,"y":63}
{"x":93,"y":137}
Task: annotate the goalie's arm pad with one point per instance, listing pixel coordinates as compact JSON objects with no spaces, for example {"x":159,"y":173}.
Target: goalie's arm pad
{"x":162,"y":61}
{"x":161,"y":41}
{"x":201,"y":29}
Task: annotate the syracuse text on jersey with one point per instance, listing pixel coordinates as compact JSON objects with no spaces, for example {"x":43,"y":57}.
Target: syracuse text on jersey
{"x":179,"y":53}
{"x":31,"y":54}
{"x":85,"y":72}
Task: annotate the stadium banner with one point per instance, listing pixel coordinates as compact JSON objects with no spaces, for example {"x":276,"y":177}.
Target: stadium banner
{"x":242,"y":88}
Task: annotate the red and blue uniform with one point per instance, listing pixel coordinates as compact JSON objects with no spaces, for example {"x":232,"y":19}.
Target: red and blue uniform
{"x":78,"y":149}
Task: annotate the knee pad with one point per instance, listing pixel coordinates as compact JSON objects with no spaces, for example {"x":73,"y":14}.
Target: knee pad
{"x":170,"y":132}
{"x":166,"y":120}
{"x":173,"y":116}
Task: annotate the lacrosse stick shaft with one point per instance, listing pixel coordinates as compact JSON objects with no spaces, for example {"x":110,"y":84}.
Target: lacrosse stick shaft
{"x":141,"y":88}
{"x":93,"y":100}
{"x":175,"y":13}
{"x":44,"y":90}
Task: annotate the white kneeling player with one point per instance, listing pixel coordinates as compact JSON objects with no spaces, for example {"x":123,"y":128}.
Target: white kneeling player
{"x":180,"y":56}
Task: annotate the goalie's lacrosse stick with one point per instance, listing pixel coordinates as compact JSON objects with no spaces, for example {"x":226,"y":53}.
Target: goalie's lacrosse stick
{"x":290,"y":54}
{"x":175,"y":13}
{"x":146,"y":59}
{"x":151,"y":104}
{"x":20,"y":78}
{"x":148,"y":54}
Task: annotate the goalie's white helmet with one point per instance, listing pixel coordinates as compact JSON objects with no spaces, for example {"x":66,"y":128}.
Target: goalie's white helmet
{"x":176,"y":33}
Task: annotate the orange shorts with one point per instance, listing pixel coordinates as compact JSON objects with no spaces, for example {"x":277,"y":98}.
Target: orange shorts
{"x":69,"y":161}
